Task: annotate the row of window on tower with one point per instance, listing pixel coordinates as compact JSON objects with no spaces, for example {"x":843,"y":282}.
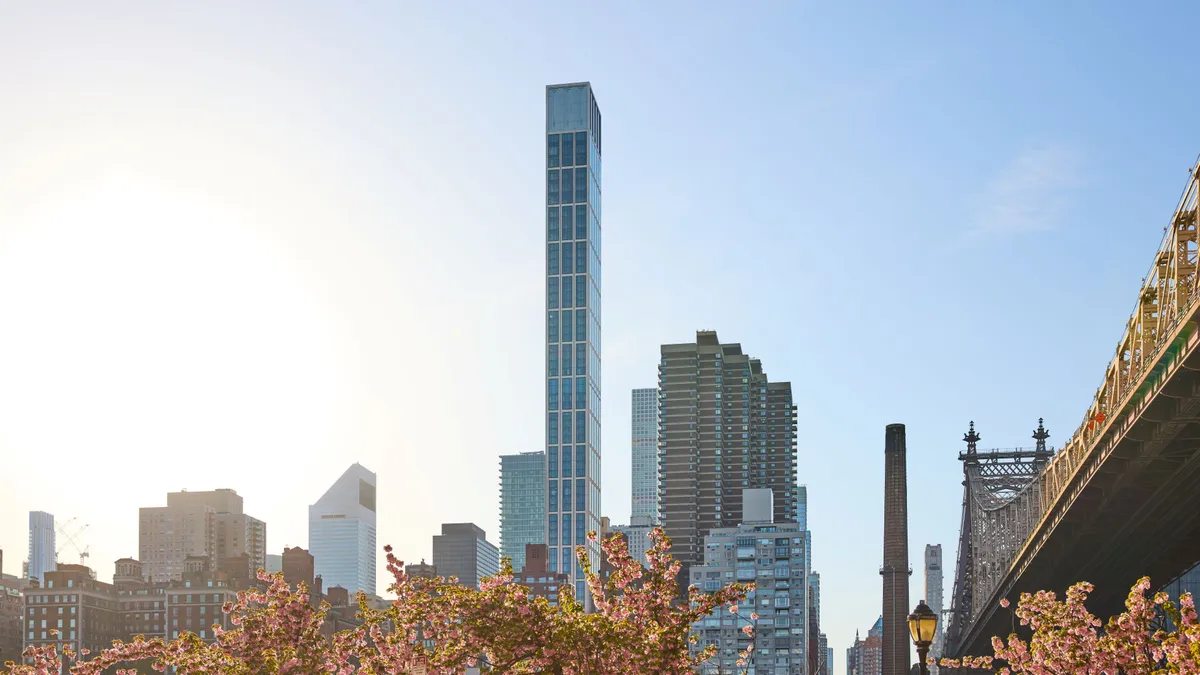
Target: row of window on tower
{"x":580,"y":393}
{"x":553,"y":361}
{"x":578,"y":468}
{"x":572,"y":256}
{"x":569,"y":562}
{"x":579,"y":325}
{"x":574,"y":292}
{"x":559,"y":219}
{"x":567,"y":186}
{"x":579,"y":503}
{"x":553,"y":434}
{"x":567,"y":149}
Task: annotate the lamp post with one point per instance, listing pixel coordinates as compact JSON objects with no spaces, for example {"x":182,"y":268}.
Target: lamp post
{"x":922,"y":625}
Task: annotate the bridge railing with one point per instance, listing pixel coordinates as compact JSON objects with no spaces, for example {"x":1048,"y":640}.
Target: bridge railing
{"x":1167,"y":296}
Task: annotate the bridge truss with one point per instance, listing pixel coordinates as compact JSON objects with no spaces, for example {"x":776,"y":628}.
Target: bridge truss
{"x":1013,"y":499}
{"x":1002,"y":503}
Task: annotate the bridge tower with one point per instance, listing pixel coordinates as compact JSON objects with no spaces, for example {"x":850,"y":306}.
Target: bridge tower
{"x":1002,"y":501}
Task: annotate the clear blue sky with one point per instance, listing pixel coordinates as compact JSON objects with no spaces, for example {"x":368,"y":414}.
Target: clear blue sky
{"x":923,"y":213}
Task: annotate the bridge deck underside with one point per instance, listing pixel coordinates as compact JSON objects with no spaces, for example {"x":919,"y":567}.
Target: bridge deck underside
{"x":1137,"y":515}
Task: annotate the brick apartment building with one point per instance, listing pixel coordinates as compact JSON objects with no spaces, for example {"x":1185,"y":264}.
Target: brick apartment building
{"x":536,"y":577}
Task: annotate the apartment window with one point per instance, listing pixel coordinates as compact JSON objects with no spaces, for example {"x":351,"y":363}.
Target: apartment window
{"x":552,"y":258}
{"x":567,"y":258}
{"x":579,"y":533}
{"x":566,"y":463}
{"x":552,"y":292}
{"x":566,"y":359}
{"x":581,"y":225}
{"x":568,"y":149}
{"x":568,"y":183}
{"x":552,"y":150}
{"x":580,"y":289}
{"x":566,"y":326}
{"x":552,"y":187}
{"x":566,"y":395}
{"x":580,"y":400}
{"x":581,"y":184}
{"x":553,"y":428}
{"x":566,"y":427}
{"x":581,"y":324}
{"x":552,"y":326}
{"x":552,"y":462}
{"x":552,"y":224}
{"x":566,"y":533}
{"x":580,"y":499}
{"x":566,"y":503}
{"x":553,"y":530}
{"x":580,"y":457}
{"x":581,"y":148}
{"x":581,"y":360}
{"x":567,"y":294}
{"x":553,"y":494}
{"x":552,"y":360}
{"x":552,"y":394}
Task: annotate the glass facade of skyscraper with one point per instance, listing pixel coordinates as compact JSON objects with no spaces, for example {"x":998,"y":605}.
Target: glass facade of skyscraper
{"x":572,"y":226}
{"x":522,"y":504}
{"x":645,"y":457}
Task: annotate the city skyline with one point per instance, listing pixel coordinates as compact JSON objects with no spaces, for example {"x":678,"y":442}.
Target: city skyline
{"x":317,"y":159}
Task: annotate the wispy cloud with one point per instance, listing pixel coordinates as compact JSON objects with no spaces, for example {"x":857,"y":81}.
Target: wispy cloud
{"x":1029,"y":194}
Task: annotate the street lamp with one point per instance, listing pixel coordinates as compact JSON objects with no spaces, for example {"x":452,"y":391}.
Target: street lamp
{"x":922,"y":625}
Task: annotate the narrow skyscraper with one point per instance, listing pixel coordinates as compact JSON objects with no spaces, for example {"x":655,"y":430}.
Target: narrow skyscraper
{"x":42,"y":545}
{"x":644,"y":425}
{"x":895,"y":570}
{"x":933,"y":594}
{"x":522,"y":504}
{"x":724,"y":428}
{"x":341,"y":532}
{"x":572,"y":222}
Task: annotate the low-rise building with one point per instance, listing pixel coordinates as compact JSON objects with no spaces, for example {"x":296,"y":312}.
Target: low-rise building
{"x":536,"y":575}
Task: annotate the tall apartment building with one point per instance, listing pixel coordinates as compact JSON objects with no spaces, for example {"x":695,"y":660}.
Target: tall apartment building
{"x":723,"y":428}
{"x":208,"y":523}
{"x":934,"y":594}
{"x":341,"y":532}
{"x":644,"y":426}
{"x":462,"y":550}
{"x":42,"y":545}
{"x":573,"y":148}
{"x":772,"y":556}
{"x":826,"y":659}
{"x":522,"y":504}
{"x":536,"y":577}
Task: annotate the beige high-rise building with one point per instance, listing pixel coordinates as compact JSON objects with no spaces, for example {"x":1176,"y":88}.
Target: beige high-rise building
{"x":724,"y":428}
{"x":207,"y":524}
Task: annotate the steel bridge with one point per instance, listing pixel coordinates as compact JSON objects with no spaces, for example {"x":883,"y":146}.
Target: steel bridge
{"x":1121,"y":499}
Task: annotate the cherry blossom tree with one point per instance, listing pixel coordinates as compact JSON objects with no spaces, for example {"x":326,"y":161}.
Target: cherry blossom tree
{"x":1065,"y":638}
{"x":438,"y":627}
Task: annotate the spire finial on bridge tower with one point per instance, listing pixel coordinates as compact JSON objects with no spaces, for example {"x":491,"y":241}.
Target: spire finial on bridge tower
{"x":971,"y":438}
{"x":1040,"y":435}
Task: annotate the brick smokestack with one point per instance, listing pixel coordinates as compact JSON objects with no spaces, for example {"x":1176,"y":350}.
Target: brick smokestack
{"x":895,"y":570}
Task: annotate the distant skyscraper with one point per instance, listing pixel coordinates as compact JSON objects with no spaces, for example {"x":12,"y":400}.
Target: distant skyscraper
{"x":42,"y":545}
{"x":462,"y":550}
{"x":934,"y":592}
{"x":895,"y":570}
{"x":341,"y":532}
{"x":645,"y":457}
{"x":802,"y":506}
{"x":573,"y":147}
{"x":206,"y":523}
{"x":637,"y":539}
{"x":522,"y":504}
{"x":826,"y":655}
{"x":724,"y":428}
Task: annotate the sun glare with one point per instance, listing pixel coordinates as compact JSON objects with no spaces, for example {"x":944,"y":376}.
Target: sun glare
{"x":141,"y":326}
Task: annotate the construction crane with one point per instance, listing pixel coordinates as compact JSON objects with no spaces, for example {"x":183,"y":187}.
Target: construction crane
{"x":72,"y":537}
